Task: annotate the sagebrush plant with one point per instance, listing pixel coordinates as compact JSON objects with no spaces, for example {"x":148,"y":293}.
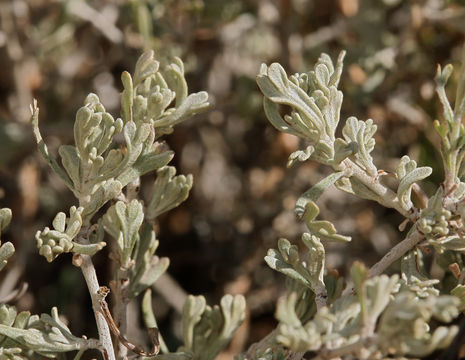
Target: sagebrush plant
{"x":375,"y":317}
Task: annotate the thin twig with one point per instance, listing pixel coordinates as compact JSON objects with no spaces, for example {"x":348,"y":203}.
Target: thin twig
{"x":396,"y":252}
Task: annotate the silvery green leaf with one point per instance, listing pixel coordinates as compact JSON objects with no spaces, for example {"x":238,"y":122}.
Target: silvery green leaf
{"x":6,"y":251}
{"x":376,"y":293}
{"x":71,"y":163}
{"x":191,"y":105}
{"x":408,"y":174}
{"x":46,"y":335}
{"x":309,"y":272}
{"x":112,"y":160}
{"x":5,"y":218}
{"x":452,"y":242}
{"x":342,"y":150}
{"x":278,"y":90}
{"x":355,"y":187}
{"x":168,"y":191}
{"x":44,"y":150}
{"x":147,"y":156}
{"x":127,"y":97}
{"x":157,"y":102}
{"x":11,"y":354}
{"x":361,"y":132}
{"x":321,"y":228}
{"x":154,"y":270}
{"x":146,"y":66}
{"x":176,"y":81}
{"x":305,"y":306}
{"x":413,"y":275}
{"x":332,"y":110}
{"x":207,"y":330}
{"x":445,"y":308}
{"x":52,"y":243}
{"x":336,"y":74}
{"x":122,"y":221}
{"x":291,"y":332}
{"x":106,"y":191}
{"x":315,"y":262}
{"x":191,"y":316}
{"x":315,"y":192}
{"x":144,"y":164}
{"x":300,"y":155}
{"x":140,"y":112}
{"x":94,"y":129}
{"x":412,"y":265}
{"x":403,"y":326}
{"x":147,"y":267}
{"x":285,"y":310}
{"x":280,"y":261}
{"x":442,"y":76}
{"x":309,"y":336}
{"x":359,"y":274}
{"x":135,"y":138}
{"x":273,"y":115}
{"x":7,"y":315}
{"x":86,"y":163}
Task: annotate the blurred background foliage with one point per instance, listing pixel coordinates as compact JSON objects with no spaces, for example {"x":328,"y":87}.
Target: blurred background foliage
{"x":243,"y":197}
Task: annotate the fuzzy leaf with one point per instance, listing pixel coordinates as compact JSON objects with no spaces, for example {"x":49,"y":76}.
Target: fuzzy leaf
{"x":52,"y":243}
{"x":168,"y":191}
{"x":122,"y":221}
{"x":147,"y":267}
{"x":408,"y":174}
{"x":6,"y":251}
{"x":315,"y":192}
{"x":361,"y":133}
{"x":5,"y":218}
{"x":47,"y":335}
{"x":207,"y":330}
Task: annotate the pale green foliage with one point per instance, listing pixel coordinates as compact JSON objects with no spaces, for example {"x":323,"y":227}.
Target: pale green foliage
{"x":307,"y":210}
{"x":408,"y":174}
{"x":399,"y":318}
{"x":7,"y":249}
{"x":376,"y":317}
{"x":135,"y":246}
{"x":315,"y":103}
{"x":52,"y":243}
{"x":168,"y":191}
{"x":206,"y":330}
{"x":383,"y":316}
{"x":22,"y":336}
{"x":310,"y":271}
{"x":97,"y":170}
